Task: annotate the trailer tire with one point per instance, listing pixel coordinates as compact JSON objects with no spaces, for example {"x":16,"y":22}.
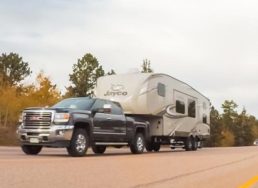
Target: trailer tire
{"x":194,"y":143}
{"x":98,"y":149}
{"x":189,"y":143}
{"x":156,"y":147}
{"x":79,"y":143}
{"x":138,"y":144}
{"x":31,"y":150}
{"x":200,"y":144}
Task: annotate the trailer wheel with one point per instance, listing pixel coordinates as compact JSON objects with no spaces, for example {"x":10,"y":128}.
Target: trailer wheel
{"x":79,"y":143}
{"x":195,"y":143}
{"x":189,"y":143}
{"x":200,"y":144}
{"x":138,"y":144}
{"x":156,"y":147}
{"x":98,"y":149}
{"x":31,"y":150}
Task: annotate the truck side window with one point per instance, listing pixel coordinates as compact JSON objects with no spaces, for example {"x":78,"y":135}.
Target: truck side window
{"x":116,"y":109}
{"x":161,"y":90}
{"x":180,"y":107}
{"x":191,"y":108}
{"x":204,"y":119}
{"x":98,"y":104}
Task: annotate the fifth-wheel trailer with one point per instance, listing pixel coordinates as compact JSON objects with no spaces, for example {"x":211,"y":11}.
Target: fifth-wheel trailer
{"x":178,"y":114}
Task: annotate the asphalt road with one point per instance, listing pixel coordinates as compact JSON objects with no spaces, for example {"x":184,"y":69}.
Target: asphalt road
{"x":207,"y":168}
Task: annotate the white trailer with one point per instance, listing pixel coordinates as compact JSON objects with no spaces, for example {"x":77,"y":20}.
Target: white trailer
{"x":178,"y":114}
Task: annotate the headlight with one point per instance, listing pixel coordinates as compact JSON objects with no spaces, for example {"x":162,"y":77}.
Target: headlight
{"x":21,"y":117}
{"x":61,"y":117}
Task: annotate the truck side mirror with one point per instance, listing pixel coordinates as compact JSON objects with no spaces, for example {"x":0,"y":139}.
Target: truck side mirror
{"x":107,"y":108}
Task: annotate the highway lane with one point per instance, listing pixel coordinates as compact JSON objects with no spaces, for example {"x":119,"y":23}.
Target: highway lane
{"x":208,"y":167}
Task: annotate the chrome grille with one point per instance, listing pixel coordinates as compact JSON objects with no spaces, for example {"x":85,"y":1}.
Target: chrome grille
{"x":37,"y":120}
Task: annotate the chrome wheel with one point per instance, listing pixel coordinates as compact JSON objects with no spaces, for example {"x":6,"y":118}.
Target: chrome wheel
{"x":139,"y":143}
{"x":80,"y":143}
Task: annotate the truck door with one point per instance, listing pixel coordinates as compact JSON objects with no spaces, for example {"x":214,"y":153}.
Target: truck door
{"x":109,"y":126}
{"x":100,"y":120}
{"x":117,"y":123}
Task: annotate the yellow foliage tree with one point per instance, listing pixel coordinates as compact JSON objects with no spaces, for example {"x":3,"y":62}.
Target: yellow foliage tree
{"x":228,"y":139}
{"x":12,"y":100}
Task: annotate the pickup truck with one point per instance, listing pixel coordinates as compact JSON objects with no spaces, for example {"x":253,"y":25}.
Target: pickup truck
{"x":80,"y":123}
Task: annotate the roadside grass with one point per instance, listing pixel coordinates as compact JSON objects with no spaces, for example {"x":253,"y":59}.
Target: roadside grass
{"x":8,"y":136}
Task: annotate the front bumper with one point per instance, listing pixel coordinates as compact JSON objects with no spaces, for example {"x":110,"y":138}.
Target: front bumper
{"x":55,"y":136}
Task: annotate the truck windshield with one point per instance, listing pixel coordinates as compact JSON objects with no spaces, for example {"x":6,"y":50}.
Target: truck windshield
{"x":75,"y":103}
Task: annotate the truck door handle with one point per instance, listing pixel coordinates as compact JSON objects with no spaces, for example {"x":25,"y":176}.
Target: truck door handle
{"x":109,"y":118}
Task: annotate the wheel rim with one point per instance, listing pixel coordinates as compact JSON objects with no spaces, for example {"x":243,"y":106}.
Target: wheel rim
{"x":190,"y":143}
{"x":80,"y":143}
{"x":139,"y":143}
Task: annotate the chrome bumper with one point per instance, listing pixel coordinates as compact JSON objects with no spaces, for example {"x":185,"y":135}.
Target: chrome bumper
{"x":48,"y":137}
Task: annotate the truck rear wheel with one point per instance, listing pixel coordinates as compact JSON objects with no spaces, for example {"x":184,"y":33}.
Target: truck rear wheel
{"x":31,"y":150}
{"x":149,"y":147}
{"x":138,"y":144}
{"x":98,"y":149}
{"x":156,"y":147}
{"x":79,"y":143}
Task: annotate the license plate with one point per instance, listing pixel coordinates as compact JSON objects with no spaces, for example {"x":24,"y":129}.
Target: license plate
{"x":34,"y":140}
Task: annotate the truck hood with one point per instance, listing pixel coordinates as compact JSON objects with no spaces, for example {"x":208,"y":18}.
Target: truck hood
{"x":59,"y":110}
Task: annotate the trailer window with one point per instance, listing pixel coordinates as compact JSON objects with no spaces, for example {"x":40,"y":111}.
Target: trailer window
{"x":161,"y":90}
{"x":204,"y":119}
{"x":191,"y":108}
{"x":180,"y":107}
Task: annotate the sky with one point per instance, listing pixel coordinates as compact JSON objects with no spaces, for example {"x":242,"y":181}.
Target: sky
{"x":211,"y":45}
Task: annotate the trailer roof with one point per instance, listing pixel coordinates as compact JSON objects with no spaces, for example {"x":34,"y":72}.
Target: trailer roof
{"x":157,"y":74}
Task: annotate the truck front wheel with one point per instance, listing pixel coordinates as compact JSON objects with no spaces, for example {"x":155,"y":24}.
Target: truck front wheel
{"x":79,"y":143}
{"x":98,"y":149}
{"x":138,"y":144}
{"x":31,"y":150}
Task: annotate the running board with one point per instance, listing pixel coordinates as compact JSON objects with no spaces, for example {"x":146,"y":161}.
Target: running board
{"x":111,"y":143}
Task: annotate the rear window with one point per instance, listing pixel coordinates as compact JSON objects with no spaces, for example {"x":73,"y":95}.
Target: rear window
{"x":75,"y":103}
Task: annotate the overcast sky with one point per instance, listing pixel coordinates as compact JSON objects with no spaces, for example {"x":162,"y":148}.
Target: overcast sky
{"x":211,"y":45}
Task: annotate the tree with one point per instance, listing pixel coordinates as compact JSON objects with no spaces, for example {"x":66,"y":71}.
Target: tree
{"x":111,"y":72}
{"x":45,"y":93}
{"x":216,"y":128}
{"x":244,"y":129}
{"x":13,"y":69}
{"x":146,"y":66}
{"x":85,"y":74}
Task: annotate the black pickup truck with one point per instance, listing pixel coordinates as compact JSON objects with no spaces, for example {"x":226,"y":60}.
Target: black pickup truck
{"x":80,"y":123}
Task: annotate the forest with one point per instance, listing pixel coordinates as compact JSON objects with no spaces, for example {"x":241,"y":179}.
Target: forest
{"x":228,"y":128}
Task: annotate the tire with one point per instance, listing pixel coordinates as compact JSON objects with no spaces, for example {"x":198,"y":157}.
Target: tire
{"x":79,"y":143}
{"x":194,"y":143}
{"x":200,"y":144}
{"x":156,"y":147}
{"x":189,"y":143}
{"x":149,"y":147}
{"x":98,"y":149}
{"x":31,"y":150}
{"x":138,"y":144}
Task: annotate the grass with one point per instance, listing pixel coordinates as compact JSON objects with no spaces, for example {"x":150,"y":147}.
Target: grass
{"x":8,"y":136}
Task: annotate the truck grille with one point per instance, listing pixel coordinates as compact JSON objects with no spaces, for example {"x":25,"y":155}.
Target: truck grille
{"x":37,"y":120}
